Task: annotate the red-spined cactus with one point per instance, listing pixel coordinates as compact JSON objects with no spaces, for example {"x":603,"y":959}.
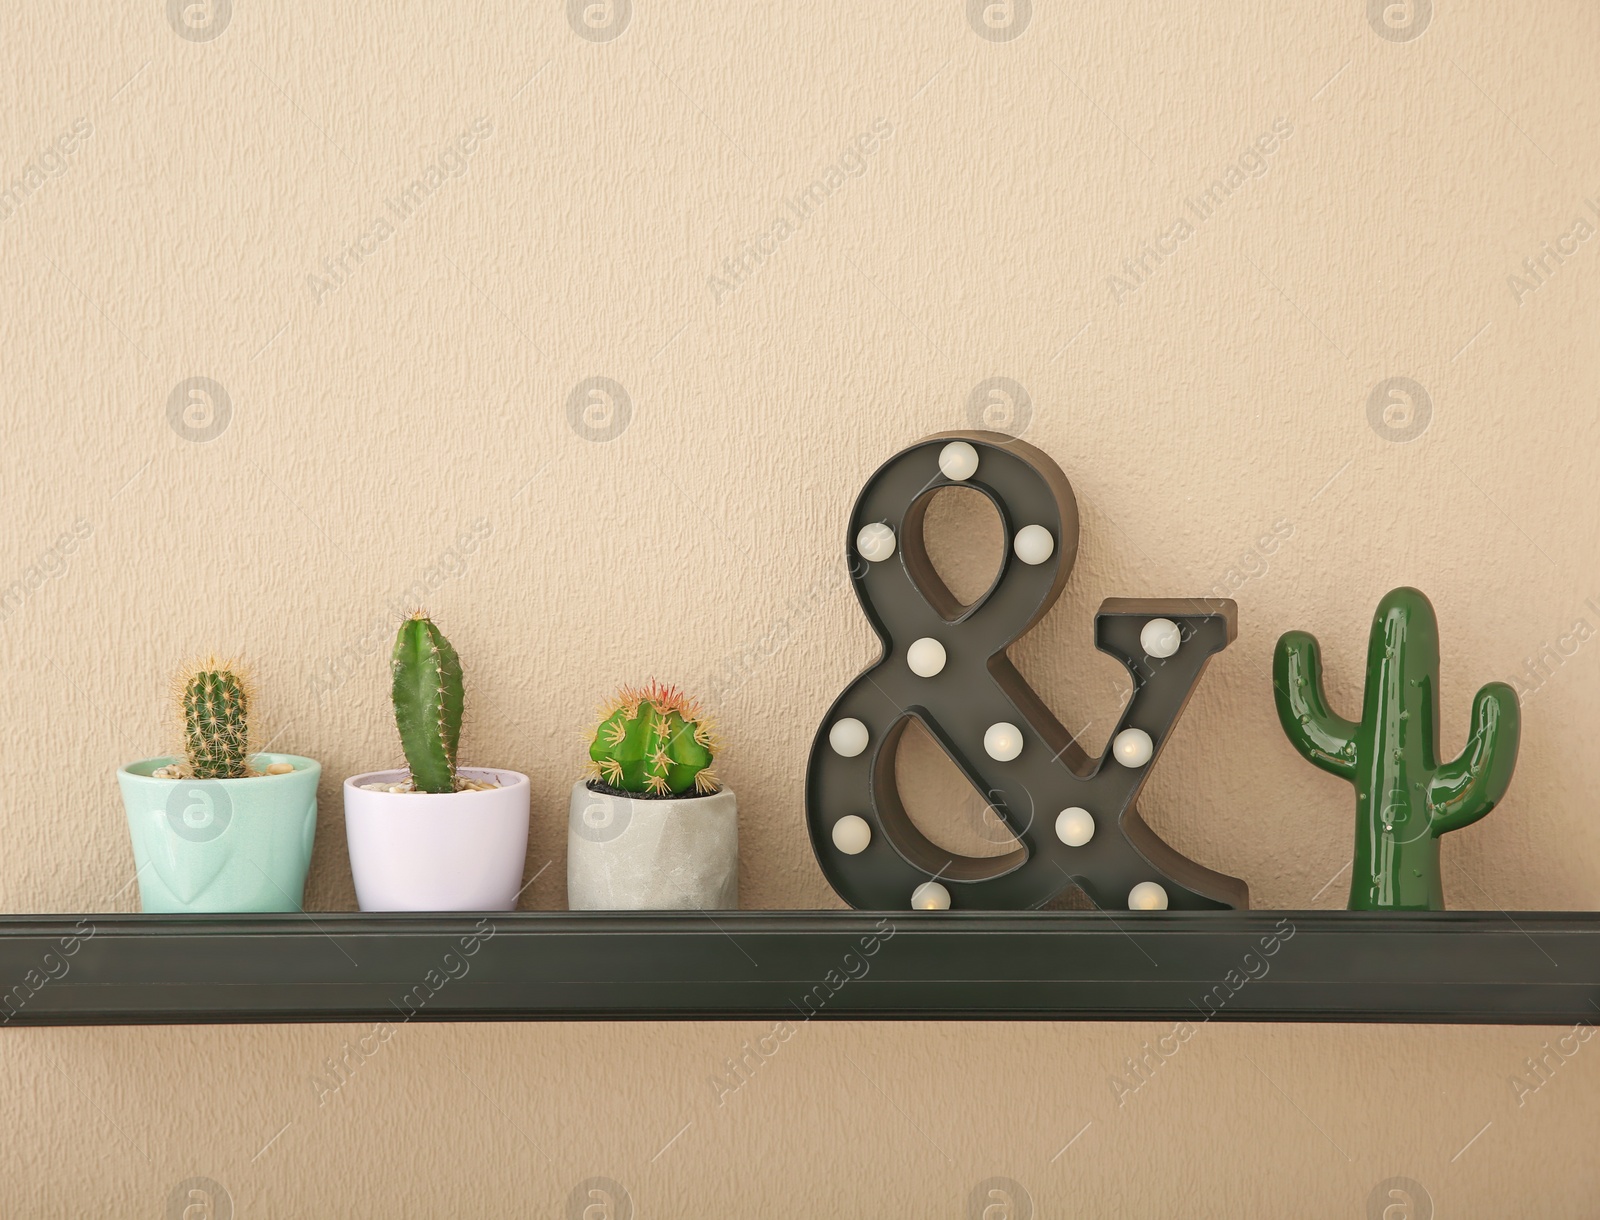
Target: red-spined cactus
{"x":654,"y":741}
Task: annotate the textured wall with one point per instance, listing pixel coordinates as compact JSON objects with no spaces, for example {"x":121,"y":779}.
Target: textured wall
{"x":199,"y":193}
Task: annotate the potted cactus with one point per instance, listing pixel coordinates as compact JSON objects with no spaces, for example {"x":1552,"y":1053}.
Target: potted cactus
{"x":433,"y":836}
{"x":220,"y":828}
{"x":652,"y":828}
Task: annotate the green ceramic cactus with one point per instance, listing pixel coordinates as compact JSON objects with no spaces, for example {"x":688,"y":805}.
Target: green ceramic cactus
{"x":654,"y":741}
{"x":1405,"y":798}
{"x":214,"y":703}
{"x":428,"y":698}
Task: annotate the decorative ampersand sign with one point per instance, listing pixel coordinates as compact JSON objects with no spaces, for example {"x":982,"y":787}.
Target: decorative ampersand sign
{"x":945,"y":665}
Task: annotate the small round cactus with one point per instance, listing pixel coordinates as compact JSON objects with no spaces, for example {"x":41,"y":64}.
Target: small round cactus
{"x":654,"y":741}
{"x":214,"y":703}
{"x":428,"y":698}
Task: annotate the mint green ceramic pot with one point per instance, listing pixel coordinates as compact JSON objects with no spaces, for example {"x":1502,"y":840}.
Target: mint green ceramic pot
{"x":222,"y":845}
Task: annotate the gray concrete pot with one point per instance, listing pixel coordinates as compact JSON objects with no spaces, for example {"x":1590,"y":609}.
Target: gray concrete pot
{"x":636,"y":854}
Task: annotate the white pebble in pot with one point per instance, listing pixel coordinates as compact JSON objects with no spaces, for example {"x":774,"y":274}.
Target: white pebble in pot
{"x":958,"y":461}
{"x":1160,"y":638}
{"x":1133,"y":747}
{"x":848,"y":737}
{"x":852,"y":834}
{"x":1074,"y":826}
{"x":1147,"y":896}
{"x":875,"y":542}
{"x":925,"y":657}
{"x":1033,"y":544}
{"x":930,"y":896}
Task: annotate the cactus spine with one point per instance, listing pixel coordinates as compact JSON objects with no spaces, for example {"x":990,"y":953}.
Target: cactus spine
{"x":1405,"y":798}
{"x":653,"y":740}
{"x":214,"y":702}
{"x":428,"y":699}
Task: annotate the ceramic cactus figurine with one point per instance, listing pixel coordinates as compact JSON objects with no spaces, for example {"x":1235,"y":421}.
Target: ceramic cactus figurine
{"x":1405,"y":798}
{"x":653,"y":741}
{"x":214,"y":702}
{"x":428,"y":698}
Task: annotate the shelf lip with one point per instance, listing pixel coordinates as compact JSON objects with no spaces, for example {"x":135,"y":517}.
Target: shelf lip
{"x":790,"y":921}
{"x":1456,"y":967}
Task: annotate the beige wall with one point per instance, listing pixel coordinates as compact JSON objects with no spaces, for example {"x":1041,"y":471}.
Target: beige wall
{"x":371,"y":422}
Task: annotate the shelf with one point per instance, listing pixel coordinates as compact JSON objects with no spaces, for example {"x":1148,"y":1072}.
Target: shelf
{"x":1455,"y":967}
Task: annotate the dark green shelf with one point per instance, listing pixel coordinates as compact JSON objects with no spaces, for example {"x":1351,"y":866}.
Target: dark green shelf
{"x":1455,"y":967}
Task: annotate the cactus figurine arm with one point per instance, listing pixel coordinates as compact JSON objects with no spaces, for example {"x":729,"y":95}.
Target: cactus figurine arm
{"x":1326,"y":740}
{"x":1464,"y":790}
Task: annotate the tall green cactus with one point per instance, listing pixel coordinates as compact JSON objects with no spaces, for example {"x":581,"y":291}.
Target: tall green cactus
{"x":654,"y":741}
{"x":1405,"y":798}
{"x":428,"y":698}
{"x":214,"y":702}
